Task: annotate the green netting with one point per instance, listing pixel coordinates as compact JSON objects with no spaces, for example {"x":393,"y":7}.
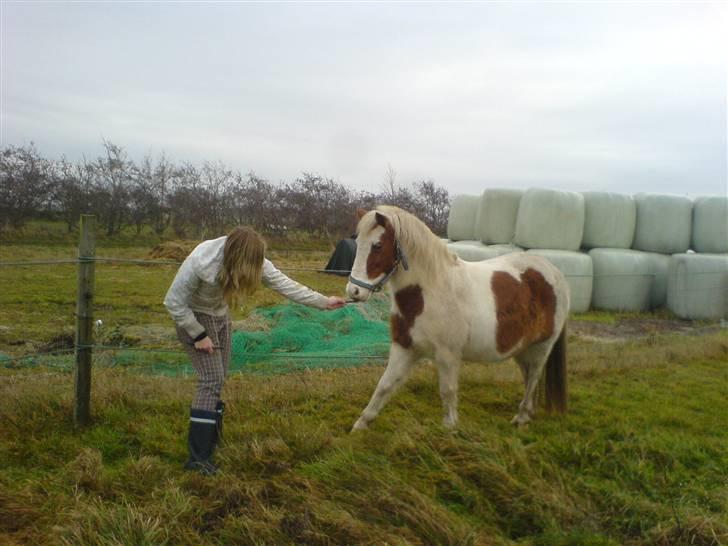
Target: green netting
{"x":302,"y":337}
{"x":286,"y":337}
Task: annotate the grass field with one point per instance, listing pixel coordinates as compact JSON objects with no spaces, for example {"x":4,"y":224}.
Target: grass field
{"x":37,"y":305}
{"x":641,"y":457}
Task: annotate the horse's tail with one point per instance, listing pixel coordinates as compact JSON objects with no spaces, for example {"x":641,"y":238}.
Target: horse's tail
{"x":556,"y":388}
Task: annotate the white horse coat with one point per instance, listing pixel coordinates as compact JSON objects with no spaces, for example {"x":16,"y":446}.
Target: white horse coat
{"x":448,"y":309}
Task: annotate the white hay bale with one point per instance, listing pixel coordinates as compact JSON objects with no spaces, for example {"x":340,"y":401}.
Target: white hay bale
{"x":622,"y":279}
{"x":577,"y":268}
{"x":697,"y":286}
{"x":710,"y":225}
{"x":663,"y":223}
{"x":506,"y":248}
{"x":550,"y":219}
{"x":462,"y":216}
{"x":475,"y":251}
{"x":466,"y":243}
{"x":609,"y":220}
{"x":472,"y":251}
{"x":629,"y":280}
{"x":497,"y":213}
{"x":659,"y":265}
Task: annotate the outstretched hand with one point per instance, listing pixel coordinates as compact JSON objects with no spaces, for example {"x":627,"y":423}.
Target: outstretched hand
{"x":335,"y":302}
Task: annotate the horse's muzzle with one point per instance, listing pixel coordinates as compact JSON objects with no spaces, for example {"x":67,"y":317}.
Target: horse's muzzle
{"x":357,"y":293}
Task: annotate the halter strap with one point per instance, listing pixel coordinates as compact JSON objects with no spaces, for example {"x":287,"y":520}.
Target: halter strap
{"x":377,"y":286}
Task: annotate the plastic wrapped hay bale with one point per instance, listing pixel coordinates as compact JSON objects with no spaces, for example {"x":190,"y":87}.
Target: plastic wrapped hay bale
{"x":497,"y":213}
{"x":472,"y":251}
{"x":663,"y":223}
{"x":475,"y":251}
{"x":577,"y":268}
{"x":629,"y":280}
{"x":609,"y":220}
{"x":461,"y":220}
{"x":710,"y":225}
{"x":622,"y":279}
{"x":506,"y":248}
{"x":550,"y":219}
{"x":697,"y":286}
{"x":659,"y":265}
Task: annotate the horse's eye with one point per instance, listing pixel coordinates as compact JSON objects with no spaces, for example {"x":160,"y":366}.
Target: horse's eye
{"x":377,"y":247}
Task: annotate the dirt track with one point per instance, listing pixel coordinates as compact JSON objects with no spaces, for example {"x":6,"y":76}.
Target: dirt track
{"x":624,"y":329}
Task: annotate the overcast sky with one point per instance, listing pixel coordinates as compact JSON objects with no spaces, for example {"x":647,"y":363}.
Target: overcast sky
{"x":579,"y":96}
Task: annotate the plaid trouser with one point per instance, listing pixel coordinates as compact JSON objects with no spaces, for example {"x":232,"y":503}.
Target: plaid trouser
{"x":211,"y":368}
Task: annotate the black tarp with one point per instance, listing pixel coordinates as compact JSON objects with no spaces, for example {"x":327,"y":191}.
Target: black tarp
{"x":342,"y":258}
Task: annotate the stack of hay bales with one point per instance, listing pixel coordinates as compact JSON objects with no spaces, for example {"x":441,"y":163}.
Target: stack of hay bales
{"x":461,"y":219}
{"x":623,"y":277}
{"x":664,"y":225}
{"x":697,"y":283}
{"x":617,"y":252}
{"x":493,"y":217}
{"x":550,"y":224}
{"x":497,"y":214}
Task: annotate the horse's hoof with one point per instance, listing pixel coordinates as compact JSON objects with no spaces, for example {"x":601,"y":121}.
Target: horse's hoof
{"x":521,"y":421}
{"x":449,"y":424}
{"x":359,"y":425}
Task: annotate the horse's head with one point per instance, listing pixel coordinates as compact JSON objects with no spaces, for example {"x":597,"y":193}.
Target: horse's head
{"x":377,"y":255}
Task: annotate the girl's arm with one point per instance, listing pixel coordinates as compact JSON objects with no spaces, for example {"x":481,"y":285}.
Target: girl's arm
{"x":291,"y":289}
{"x":178,"y":297}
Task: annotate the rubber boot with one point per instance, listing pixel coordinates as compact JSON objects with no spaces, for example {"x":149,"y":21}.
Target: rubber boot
{"x":201,"y":441}
{"x":220,"y":410}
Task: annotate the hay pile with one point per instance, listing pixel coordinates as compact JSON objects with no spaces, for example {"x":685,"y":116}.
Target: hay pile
{"x":172,"y":250}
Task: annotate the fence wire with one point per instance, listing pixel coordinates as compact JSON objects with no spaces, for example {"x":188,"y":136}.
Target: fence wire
{"x":9,"y":361}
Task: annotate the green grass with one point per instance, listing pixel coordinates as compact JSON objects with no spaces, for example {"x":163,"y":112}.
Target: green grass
{"x":641,"y":458}
{"x":38,"y":303}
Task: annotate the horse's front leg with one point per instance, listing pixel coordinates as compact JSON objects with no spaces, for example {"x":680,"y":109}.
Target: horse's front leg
{"x":400,"y":363}
{"x":448,"y":369}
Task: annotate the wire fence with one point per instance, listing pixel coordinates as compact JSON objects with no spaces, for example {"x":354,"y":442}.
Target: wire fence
{"x":134,"y":261}
{"x":251,"y":356}
{"x":288,"y":356}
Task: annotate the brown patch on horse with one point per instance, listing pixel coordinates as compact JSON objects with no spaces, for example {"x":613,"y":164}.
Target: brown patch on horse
{"x":525,"y":308}
{"x":410,"y":303}
{"x":382,"y":259}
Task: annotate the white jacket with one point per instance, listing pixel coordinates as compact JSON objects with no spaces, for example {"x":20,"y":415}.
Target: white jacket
{"x":196,"y":289}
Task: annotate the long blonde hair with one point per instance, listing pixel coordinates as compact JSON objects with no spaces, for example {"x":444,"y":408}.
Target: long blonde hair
{"x":242,"y":264}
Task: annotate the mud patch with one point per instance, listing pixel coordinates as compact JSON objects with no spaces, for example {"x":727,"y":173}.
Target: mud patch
{"x":60,"y":342}
{"x":624,"y":329}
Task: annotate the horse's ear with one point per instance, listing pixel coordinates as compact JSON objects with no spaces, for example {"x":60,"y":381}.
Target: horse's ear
{"x":381,"y":219}
{"x":360,"y":213}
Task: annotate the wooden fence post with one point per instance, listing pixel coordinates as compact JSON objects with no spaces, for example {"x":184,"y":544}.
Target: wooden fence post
{"x":84,"y":320}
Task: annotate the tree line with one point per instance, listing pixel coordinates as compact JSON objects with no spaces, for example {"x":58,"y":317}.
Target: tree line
{"x":194,"y":201}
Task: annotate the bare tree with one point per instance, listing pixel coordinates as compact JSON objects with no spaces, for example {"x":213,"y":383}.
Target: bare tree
{"x":204,"y":201}
{"x":23,"y":184}
{"x":389,"y":186}
{"x":113,"y":177}
{"x":433,"y":205}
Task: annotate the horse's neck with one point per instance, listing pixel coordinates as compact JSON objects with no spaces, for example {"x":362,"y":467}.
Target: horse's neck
{"x":422,"y":274}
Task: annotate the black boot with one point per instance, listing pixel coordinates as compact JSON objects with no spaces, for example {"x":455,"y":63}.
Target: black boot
{"x":201,"y":441}
{"x":220,"y":409}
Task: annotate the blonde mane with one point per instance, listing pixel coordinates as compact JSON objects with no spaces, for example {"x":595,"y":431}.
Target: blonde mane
{"x":418,"y":242}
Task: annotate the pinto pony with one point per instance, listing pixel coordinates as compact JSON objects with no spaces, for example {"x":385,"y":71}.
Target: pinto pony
{"x":448,"y":309}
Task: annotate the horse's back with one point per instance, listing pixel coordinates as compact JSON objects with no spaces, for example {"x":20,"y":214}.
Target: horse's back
{"x":515,"y":300}
{"x":515,"y":264}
